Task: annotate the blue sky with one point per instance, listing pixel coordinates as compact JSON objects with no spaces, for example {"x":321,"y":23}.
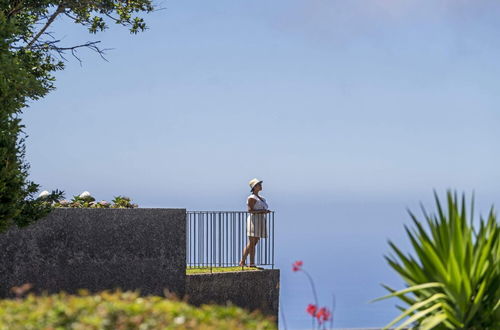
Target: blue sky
{"x":356,"y":97}
{"x":348,"y":110}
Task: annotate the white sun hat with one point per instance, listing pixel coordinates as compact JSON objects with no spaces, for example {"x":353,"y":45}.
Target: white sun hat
{"x":254,"y":182}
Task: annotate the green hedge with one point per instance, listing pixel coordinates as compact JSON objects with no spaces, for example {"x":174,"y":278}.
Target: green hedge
{"x":121,"y":310}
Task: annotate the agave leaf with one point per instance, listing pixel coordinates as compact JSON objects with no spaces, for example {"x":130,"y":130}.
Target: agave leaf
{"x":466,"y":282}
{"x":402,"y":271}
{"x":457,"y":241}
{"x":432,"y":321}
{"x":419,"y":315}
{"x":463,"y":211}
{"x":472,"y":203}
{"x":484,"y":253}
{"x":437,"y":263}
{"x":439,"y":236}
{"x":438,"y":206}
{"x":419,"y":226}
{"x":478,"y":262}
{"x":416,"y":306}
{"x":465,"y":267}
{"x":497,"y":306}
{"x":455,"y":283}
{"x":421,"y":254}
{"x":410,"y":289}
{"x":393,"y":262}
{"x":423,"y":210}
{"x":450,"y":315}
{"x":401,"y":308}
{"x":406,"y":261}
{"x":406,"y":299}
{"x":476,"y":303}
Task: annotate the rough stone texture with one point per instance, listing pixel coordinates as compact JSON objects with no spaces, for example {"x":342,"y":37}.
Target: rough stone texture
{"x":253,"y":290}
{"x":97,"y":249}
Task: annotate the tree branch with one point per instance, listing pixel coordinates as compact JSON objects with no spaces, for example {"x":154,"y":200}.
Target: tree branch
{"x":61,"y":51}
{"x":92,"y":45}
{"x":17,"y":7}
{"x":51,"y":19}
{"x":117,"y":21}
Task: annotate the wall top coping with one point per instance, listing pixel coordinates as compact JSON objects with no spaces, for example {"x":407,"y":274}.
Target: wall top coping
{"x":150,"y":208}
{"x":236,"y":272}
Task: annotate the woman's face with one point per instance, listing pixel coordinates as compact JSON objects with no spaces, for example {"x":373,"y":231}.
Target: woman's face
{"x":257,"y":188}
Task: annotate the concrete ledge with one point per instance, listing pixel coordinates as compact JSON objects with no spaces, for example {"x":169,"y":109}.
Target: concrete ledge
{"x":97,"y":249}
{"x":252,"y":290}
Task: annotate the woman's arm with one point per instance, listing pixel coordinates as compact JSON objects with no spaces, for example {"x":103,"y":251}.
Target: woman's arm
{"x":251,"y":205}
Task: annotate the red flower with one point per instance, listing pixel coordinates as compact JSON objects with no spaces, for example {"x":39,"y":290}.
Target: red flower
{"x":297,"y":265}
{"x":323,"y":315}
{"x":311,"y":309}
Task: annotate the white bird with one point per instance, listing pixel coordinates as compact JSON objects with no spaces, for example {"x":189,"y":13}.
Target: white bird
{"x":85,"y":194}
{"x":44,"y":194}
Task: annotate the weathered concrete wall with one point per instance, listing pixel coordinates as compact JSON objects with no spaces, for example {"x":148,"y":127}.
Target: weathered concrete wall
{"x":97,"y":249}
{"x":253,"y":290}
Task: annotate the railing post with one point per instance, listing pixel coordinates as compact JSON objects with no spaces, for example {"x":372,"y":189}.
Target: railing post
{"x":218,"y":238}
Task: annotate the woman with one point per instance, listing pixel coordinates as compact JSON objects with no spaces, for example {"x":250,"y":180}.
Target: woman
{"x":256,"y":221}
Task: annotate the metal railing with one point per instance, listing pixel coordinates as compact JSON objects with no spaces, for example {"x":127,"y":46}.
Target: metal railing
{"x":218,"y":238}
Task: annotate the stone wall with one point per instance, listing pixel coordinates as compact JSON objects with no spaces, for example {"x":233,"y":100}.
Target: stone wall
{"x":253,"y":290}
{"x":97,"y":249}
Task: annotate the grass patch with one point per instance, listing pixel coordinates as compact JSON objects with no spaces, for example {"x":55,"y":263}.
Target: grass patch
{"x":190,"y":271}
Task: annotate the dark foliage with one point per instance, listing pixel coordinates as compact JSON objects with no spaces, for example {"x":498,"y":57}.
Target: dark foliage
{"x":29,"y":55}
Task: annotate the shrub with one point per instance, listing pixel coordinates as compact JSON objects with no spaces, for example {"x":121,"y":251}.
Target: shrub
{"x":453,"y":276}
{"x":85,"y":200}
{"x":24,"y":76}
{"x":32,"y":209}
{"x":119,"y":310}
{"x":122,"y":202}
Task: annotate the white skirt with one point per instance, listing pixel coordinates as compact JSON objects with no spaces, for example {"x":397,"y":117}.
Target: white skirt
{"x":256,"y":225}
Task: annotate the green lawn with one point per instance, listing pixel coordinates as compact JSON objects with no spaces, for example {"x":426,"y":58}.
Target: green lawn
{"x":190,"y":271}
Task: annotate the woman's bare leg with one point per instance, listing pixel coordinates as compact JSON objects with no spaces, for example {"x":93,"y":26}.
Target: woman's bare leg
{"x":252,"y":251}
{"x":245,"y":254}
{"x":248,"y":250}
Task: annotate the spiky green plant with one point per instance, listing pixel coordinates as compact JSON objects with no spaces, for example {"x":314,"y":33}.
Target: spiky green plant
{"x":453,"y":275}
{"x":122,"y":202}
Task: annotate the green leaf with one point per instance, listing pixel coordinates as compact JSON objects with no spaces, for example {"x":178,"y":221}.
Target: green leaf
{"x":432,"y":321}
{"x":410,"y":289}
{"x":419,"y":315}
{"x":415,"y":307}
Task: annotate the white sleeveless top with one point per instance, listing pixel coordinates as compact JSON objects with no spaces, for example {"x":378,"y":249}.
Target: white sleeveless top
{"x":259,"y":204}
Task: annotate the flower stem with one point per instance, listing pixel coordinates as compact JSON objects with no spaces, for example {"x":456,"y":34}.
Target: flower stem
{"x":312,"y":287}
{"x":334,"y":303}
{"x":283,"y":316}
{"x":315,"y":297}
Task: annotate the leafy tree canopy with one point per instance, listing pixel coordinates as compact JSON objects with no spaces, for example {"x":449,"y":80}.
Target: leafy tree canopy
{"x":29,"y":55}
